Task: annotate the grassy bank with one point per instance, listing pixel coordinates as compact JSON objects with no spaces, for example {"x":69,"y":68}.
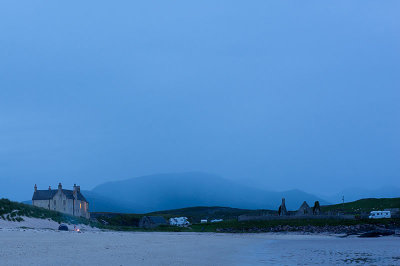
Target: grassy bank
{"x":247,"y":225}
{"x":265,"y":226}
{"x":364,"y":205}
{"x":195,"y":214}
{"x":129,"y":222}
{"x":13,"y":211}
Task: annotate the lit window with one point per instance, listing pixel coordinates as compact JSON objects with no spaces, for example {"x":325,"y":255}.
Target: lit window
{"x":80,"y":206}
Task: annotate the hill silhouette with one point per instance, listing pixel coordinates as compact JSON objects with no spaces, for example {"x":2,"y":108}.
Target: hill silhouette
{"x":180,"y":190}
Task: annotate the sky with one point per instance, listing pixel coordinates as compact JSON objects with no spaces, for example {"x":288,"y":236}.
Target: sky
{"x":273,"y":94}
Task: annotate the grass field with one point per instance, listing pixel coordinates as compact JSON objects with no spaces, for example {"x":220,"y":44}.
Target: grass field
{"x":248,"y":226}
{"x":364,"y":205}
{"x":195,"y":214}
{"x":265,"y":224}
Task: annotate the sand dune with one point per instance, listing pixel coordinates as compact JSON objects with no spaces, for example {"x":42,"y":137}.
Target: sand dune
{"x":35,"y":223}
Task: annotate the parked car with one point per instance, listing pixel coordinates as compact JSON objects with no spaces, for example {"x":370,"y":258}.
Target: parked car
{"x":379,"y":214}
{"x":216,"y":220}
{"x":63,"y":227}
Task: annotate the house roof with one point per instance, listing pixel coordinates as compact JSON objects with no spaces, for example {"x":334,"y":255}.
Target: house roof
{"x":44,"y":194}
{"x":49,"y":194}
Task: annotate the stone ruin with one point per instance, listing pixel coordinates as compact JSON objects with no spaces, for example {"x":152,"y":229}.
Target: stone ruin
{"x":316,"y":209}
{"x":282,"y":211}
{"x":304,"y":210}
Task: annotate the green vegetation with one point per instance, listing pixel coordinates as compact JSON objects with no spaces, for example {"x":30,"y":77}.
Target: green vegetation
{"x":12,"y":211}
{"x":195,"y":214}
{"x":118,"y":219}
{"x":130,"y":222}
{"x":267,"y":224}
{"x":229,"y":215}
{"x":364,"y":205}
{"x":248,"y":226}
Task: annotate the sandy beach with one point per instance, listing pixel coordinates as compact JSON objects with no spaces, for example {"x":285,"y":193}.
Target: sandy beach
{"x":48,"y":247}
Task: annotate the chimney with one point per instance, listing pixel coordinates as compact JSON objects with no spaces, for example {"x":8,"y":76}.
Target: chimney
{"x":35,"y":188}
{"x":74,"y":191}
{"x":49,"y":187}
{"x":59,"y":186}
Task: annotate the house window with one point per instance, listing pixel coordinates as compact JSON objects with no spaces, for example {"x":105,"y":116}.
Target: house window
{"x":80,"y":206}
{"x":54,"y":202}
{"x":64,"y":203}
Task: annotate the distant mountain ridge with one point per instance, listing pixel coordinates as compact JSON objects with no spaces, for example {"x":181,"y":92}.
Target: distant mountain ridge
{"x":179,"y":190}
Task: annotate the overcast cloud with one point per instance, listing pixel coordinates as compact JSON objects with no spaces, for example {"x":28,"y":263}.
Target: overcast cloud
{"x":281,"y":95}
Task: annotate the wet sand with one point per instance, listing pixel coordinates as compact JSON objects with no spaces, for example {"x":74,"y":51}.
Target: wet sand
{"x":46,"y":247}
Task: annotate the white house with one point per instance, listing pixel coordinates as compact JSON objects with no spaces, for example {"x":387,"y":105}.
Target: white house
{"x":70,"y":202}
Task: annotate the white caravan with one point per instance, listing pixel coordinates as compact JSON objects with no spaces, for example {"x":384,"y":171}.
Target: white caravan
{"x":179,"y":221}
{"x":379,"y":214}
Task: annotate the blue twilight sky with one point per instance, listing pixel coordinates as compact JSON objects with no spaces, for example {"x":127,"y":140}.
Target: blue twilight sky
{"x":275,"y":94}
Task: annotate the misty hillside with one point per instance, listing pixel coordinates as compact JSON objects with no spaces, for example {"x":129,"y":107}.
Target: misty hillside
{"x":99,"y":202}
{"x":353,"y":194}
{"x":173,"y":191}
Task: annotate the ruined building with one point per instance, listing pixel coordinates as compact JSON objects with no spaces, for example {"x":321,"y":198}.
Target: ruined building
{"x":316,"y":209}
{"x":304,"y":210}
{"x":282,"y":211}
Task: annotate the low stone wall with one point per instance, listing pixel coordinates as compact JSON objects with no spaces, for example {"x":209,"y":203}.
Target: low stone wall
{"x":294,"y":217}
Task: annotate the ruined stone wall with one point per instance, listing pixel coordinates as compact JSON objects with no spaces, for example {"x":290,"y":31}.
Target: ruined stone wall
{"x":290,"y":217}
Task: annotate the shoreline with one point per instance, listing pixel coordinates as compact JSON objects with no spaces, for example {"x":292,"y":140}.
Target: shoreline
{"x":368,"y":230}
{"x":50,"y":247}
{"x":280,"y":234}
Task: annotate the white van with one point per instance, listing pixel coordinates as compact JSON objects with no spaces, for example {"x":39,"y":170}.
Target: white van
{"x":379,"y":214}
{"x":179,"y":221}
